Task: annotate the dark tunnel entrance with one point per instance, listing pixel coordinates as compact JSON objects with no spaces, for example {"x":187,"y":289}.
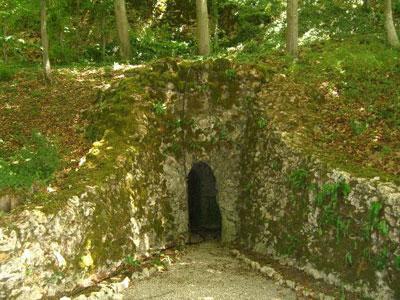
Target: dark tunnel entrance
{"x":204,"y":212}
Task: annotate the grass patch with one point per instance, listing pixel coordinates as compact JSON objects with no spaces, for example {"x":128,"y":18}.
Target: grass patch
{"x":7,"y":72}
{"x":35,"y":162}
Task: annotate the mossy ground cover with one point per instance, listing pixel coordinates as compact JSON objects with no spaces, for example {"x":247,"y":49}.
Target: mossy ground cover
{"x":341,"y":101}
{"x":57,"y":112}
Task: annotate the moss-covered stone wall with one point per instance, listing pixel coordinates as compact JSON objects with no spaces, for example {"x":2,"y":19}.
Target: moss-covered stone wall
{"x":129,"y":195}
{"x":333,"y":225}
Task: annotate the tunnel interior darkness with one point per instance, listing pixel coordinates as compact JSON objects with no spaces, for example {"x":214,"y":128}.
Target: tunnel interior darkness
{"x":204,"y":212}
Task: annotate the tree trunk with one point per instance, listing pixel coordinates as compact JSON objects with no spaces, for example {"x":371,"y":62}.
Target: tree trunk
{"x":103,"y":36}
{"x":202,"y":27}
{"x":123,"y":28}
{"x":292,"y":34}
{"x":215,"y":17}
{"x":389,"y":25}
{"x":45,"y":41}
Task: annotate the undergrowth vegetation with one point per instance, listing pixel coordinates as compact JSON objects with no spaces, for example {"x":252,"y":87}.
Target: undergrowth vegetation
{"x":342,"y":97}
{"x":353,"y":86}
{"x":35,"y":162}
{"x":6,"y":73}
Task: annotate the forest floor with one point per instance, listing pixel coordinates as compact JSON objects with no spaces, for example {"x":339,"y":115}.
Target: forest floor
{"x":341,"y":101}
{"x":56,"y":111}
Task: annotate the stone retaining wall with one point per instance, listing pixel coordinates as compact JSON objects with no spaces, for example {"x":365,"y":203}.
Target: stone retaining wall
{"x":334,"y":226}
{"x":129,"y":197}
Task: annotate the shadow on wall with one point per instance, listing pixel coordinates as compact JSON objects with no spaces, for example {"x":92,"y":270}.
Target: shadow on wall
{"x":204,"y":212}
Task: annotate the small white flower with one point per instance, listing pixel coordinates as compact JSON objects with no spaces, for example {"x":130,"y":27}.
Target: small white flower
{"x":117,"y":66}
{"x":60,"y":259}
{"x":51,"y":189}
{"x":82,"y":161}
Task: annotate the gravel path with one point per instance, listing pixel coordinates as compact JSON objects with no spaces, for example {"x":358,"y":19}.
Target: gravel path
{"x":207,"y":272}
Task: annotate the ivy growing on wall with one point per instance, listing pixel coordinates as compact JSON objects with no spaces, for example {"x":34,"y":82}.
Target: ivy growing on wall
{"x":329,"y":198}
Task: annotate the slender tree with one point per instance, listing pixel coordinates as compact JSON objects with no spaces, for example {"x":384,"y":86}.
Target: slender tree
{"x":45,"y":41}
{"x":203,"y":32}
{"x":215,"y":17}
{"x":103,"y":35}
{"x":123,"y":28}
{"x":389,"y":25}
{"x":292,"y":34}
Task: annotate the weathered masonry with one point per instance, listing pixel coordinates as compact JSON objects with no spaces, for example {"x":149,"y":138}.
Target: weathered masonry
{"x":158,"y":129}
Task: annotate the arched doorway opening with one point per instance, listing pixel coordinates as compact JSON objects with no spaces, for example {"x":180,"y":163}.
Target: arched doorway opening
{"x":204,"y":212}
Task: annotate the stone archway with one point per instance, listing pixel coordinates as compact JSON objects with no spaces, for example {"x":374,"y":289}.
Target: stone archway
{"x":204,"y":211}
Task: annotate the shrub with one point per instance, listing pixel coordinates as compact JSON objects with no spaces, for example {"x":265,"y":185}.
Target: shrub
{"x":158,"y":43}
{"x":298,"y":179}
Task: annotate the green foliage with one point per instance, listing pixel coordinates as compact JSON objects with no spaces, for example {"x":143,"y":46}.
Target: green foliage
{"x":386,"y":150}
{"x":342,"y":228}
{"x":175,"y":148}
{"x":382,"y":259}
{"x":262,"y":122}
{"x":84,"y":31}
{"x":291,"y":244}
{"x":157,"y":261}
{"x":159,"y":108}
{"x":230,"y":74}
{"x":332,"y":192}
{"x":276,"y":165}
{"x":6,"y":73}
{"x":397,"y":262}
{"x":298,"y":179}
{"x":358,"y":127}
{"x":375,"y":222}
{"x":223,"y":134}
{"x":130,"y":261}
{"x":36,"y":161}
{"x":56,"y":277}
{"x":348,"y":259}
{"x":345,"y":18}
{"x":177,"y":123}
{"x":389,"y":111}
{"x":342,"y":293}
{"x":383,"y":228}
{"x":155,"y":43}
{"x":374,"y":212}
{"x":328,"y":199}
{"x":341,"y":62}
{"x":243,"y":20}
